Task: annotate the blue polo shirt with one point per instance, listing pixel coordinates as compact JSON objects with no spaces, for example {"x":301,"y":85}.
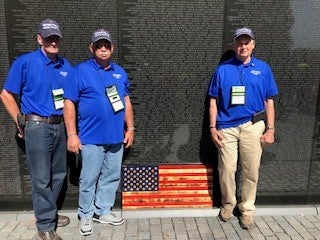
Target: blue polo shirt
{"x":259,"y":83}
{"x":97,"y":122}
{"x":33,"y":76}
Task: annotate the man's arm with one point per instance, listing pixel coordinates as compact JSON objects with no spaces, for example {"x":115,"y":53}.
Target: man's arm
{"x":69,"y":114}
{"x":216,"y":136}
{"x":129,"y":135}
{"x":270,"y":121}
{"x":10,"y":104}
{"x":270,"y":112}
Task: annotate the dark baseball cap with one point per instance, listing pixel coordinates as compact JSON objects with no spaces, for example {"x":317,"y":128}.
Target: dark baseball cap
{"x":49,"y":27}
{"x":101,"y":34}
{"x":243,"y":31}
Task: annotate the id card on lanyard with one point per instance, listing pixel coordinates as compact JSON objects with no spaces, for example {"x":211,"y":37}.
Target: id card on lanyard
{"x":238,"y":95}
{"x":114,"y":98}
{"x":57,"y":95}
{"x":54,"y":71}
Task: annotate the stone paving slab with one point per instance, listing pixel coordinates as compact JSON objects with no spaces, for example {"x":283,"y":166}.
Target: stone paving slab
{"x":198,"y":224}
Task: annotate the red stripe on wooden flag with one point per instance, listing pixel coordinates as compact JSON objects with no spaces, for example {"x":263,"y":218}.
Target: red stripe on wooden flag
{"x":187,"y":185}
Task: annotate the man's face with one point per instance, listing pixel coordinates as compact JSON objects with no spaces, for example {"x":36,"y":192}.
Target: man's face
{"x":243,"y":47}
{"x":102,"y":50}
{"x":50,"y":45}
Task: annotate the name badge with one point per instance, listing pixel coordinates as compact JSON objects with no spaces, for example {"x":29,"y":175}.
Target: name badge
{"x":114,"y":98}
{"x":238,"y":95}
{"x":57,"y":95}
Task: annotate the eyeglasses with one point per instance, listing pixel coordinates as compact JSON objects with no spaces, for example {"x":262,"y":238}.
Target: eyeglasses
{"x":100,"y":45}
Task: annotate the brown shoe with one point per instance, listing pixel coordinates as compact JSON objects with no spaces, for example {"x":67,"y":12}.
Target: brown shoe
{"x":62,"y":221}
{"x":246,"y":222}
{"x":48,"y":235}
{"x":225,"y":214}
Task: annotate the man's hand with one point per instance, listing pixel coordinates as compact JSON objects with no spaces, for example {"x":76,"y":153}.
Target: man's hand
{"x":268,"y":138}
{"x":20,"y":132}
{"x":128,"y":138}
{"x":216,"y":137}
{"x":74,"y":144}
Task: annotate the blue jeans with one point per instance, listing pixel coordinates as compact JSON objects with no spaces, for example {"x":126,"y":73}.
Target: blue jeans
{"x":99,"y":178}
{"x":47,"y":166}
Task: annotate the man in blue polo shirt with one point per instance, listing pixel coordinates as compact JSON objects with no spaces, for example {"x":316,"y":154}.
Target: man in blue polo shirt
{"x":242,"y":118}
{"x":100,"y":91}
{"x":38,"y":79}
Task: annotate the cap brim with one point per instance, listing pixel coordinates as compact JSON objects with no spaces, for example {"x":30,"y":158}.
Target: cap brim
{"x":244,"y":34}
{"x":50,"y":33}
{"x":100,"y":38}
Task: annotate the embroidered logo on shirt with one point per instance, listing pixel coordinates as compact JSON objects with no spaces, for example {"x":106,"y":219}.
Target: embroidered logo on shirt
{"x":117,"y":75}
{"x":255,"y":72}
{"x":63,"y":73}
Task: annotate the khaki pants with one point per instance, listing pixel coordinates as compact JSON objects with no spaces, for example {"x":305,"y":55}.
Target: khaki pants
{"x":244,"y":139}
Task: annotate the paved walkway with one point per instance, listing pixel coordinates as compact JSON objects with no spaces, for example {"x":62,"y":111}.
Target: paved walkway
{"x":295,"y":222}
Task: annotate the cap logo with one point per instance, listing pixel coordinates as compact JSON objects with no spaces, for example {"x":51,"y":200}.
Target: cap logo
{"x":101,"y":34}
{"x":50,"y":26}
{"x":246,"y":31}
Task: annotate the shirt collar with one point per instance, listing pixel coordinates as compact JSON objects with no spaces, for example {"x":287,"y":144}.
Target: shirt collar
{"x":47,"y":60}
{"x":97,"y":66}
{"x":237,"y":62}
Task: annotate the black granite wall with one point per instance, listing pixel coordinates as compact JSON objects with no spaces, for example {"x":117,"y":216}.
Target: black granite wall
{"x":170,"y":49}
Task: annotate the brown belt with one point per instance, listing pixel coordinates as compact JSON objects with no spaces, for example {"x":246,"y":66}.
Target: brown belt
{"x":54,"y":119}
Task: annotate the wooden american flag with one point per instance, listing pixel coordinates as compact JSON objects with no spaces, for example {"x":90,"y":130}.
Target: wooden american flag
{"x":167,"y":186}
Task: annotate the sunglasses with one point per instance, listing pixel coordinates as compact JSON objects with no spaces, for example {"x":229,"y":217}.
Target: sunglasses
{"x":52,"y":38}
{"x":100,"y":45}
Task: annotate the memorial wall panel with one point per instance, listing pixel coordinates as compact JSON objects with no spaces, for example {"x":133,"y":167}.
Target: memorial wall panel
{"x":170,"y":49}
{"x":78,"y":19}
{"x":279,"y":26}
{"x":10,"y":175}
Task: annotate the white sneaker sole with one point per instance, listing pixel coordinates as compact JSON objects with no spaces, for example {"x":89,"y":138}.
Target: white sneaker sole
{"x":85,"y":233}
{"x":112,"y":223}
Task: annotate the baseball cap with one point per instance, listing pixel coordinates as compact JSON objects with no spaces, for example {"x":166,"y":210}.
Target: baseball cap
{"x":100,"y":34}
{"x":49,"y":27}
{"x":243,"y":31}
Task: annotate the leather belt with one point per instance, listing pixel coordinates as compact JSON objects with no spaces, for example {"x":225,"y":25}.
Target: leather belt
{"x":54,"y":119}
